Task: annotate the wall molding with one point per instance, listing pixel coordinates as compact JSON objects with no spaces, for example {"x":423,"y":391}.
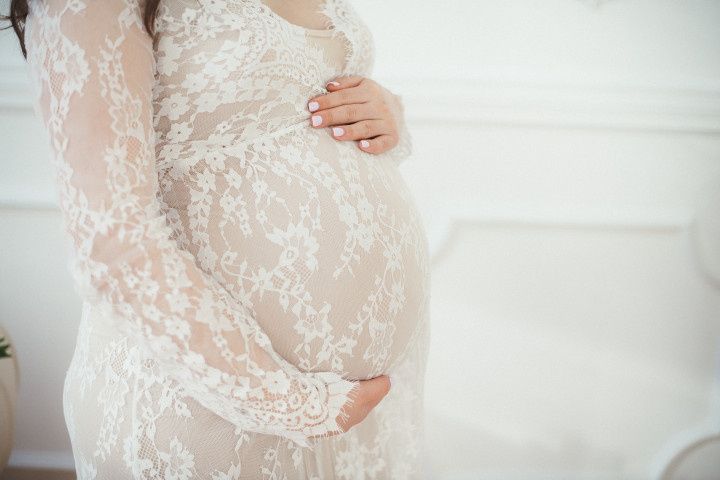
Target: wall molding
{"x":444,"y":228}
{"x":40,"y":201}
{"x":690,"y":107}
{"x":561,"y":105}
{"x":673,"y":451}
{"x":509,"y":101}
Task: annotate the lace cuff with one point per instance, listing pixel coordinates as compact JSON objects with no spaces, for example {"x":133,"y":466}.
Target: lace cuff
{"x":339,"y":393}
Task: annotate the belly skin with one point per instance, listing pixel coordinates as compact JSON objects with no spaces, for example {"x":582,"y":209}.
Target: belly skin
{"x":323,"y":242}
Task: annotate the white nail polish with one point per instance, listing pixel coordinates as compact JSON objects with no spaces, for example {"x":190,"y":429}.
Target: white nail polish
{"x":313,"y":106}
{"x":337,"y":131}
{"x":364,"y":143}
{"x":336,"y":84}
{"x":316,"y":120}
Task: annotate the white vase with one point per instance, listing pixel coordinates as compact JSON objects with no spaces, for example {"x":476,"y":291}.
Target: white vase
{"x":9,"y":383}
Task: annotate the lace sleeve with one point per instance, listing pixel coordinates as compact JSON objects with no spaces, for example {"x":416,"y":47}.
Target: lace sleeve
{"x":92,"y":69}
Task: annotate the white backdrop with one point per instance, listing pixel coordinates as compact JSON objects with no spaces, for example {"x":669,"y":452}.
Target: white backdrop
{"x":567,"y":154}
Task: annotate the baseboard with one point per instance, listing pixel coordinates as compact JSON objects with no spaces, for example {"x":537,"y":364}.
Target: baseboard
{"x":37,"y":474}
{"x":41,"y":460}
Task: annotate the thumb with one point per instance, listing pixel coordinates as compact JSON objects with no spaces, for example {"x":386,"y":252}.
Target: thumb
{"x":378,"y":387}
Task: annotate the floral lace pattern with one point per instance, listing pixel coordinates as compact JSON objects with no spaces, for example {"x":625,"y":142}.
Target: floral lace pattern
{"x":240,"y":270}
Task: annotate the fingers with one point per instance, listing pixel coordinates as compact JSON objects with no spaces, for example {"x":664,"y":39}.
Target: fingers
{"x":344,"y":114}
{"x":337,"y":98}
{"x":378,"y":144}
{"x":344,"y":82}
{"x":348,"y":90}
{"x":356,"y":110}
{"x":376,"y":136}
{"x":361,"y":130}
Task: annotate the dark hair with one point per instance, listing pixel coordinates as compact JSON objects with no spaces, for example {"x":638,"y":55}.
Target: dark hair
{"x":19,"y":11}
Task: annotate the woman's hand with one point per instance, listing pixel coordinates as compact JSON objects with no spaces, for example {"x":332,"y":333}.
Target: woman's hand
{"x":366,"y":397}
{"x":358,"y":108}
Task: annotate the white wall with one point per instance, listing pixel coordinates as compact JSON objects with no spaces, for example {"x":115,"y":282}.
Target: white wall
{"x":566,"y":151}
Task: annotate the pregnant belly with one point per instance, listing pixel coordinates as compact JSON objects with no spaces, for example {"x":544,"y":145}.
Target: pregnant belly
{"x":320,"y":240}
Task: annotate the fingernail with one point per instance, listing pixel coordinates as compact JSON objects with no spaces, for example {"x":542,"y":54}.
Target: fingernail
{"x":335,"y":84}
{"x":337,"y":131}
{"x":390,"y":380}
{"x":316,"y":120}
{"x":364,"y":143}
{"x":312,"y":106}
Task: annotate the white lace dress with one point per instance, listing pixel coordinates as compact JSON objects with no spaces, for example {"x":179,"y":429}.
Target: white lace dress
{"x":239,"y":269}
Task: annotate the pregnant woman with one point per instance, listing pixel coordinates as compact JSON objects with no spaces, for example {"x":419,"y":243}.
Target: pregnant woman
{"x":253,"y":269}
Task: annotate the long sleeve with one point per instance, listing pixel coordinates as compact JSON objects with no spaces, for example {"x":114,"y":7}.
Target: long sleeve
{"x":92,"y":69}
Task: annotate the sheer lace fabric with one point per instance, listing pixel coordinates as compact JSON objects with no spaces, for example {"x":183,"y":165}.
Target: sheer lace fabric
{"x":240,"y":270}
